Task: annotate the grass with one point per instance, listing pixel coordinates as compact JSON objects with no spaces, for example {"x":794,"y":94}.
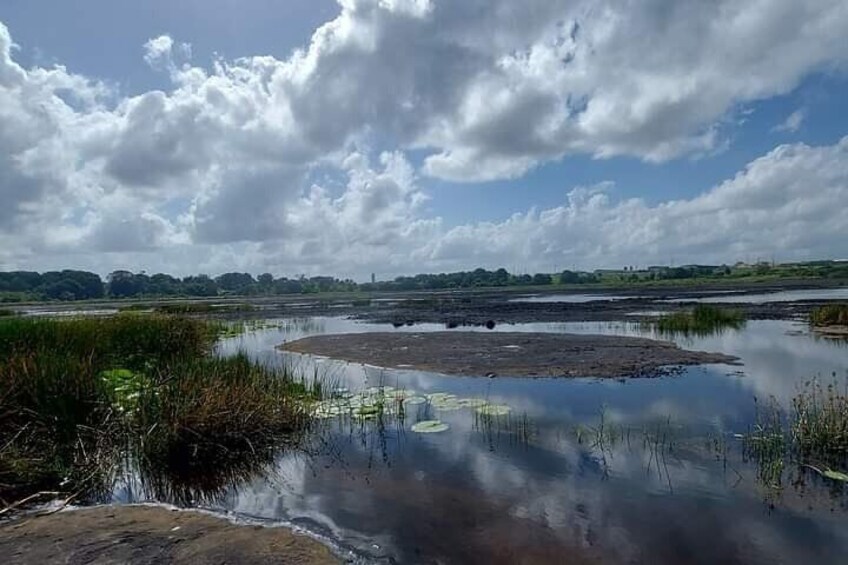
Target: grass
{"x":79,"y":398}
{"x":5,"y":313}
{"x":819,"y":426}
{"x":830,"y":315}
{"x":812,"y":435}
{"x":203,"y":308}
{"x":702,"y":320}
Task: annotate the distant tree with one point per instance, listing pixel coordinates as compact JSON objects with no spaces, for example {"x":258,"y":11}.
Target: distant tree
{"x":235,"y":282}
{"x":123,"y":284}
{"x":540,"y":279}
{"x":569,"y":277}
{"x":265,"y":281}
{"x":200,"y":285}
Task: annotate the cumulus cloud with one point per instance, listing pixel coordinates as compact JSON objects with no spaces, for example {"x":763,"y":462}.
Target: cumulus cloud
{"x":219,"y":170}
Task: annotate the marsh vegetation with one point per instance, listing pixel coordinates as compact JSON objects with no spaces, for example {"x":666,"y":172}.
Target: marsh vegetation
{"x":81,"y":398}
{"x":703,"y":319}
{"x":830,"y":315}
{"x":812,"y":435}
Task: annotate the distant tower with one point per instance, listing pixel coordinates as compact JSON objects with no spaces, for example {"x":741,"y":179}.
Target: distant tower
{"x":373,"y":278}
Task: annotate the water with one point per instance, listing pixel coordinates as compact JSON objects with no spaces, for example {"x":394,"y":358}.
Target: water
{"x":660,"y":493}
{"x":578,"y":298}
{"x":768,"y":297}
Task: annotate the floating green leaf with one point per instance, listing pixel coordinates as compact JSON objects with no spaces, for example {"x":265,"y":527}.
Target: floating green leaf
{"x":471,"y":402}
{"x":430,"y":427}
{"x":494,"y":410}
{"x":835,"y":475}
{"x":414,"y":400}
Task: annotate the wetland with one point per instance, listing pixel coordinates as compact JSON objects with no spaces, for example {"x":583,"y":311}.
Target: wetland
{"x":727,"y":459}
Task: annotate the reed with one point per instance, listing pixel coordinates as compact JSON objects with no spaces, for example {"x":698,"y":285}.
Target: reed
{"x":77,"y":397}
{"x":830,"y":315}
{"x":704,"y":319}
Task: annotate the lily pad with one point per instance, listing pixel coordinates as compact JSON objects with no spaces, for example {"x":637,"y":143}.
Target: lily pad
{"x":430,"y":427}
{"x":414,"y":400}
{"x":494,"y":410}
{"x":471,"y":402}
{"x":835,"y":475}
{"x":447,"y":405}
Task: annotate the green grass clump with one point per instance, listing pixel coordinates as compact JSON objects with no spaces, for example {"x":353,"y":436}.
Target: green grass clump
{"x":830,"y":315}
{"x":703,"y":319}
{"x":79,"y":398}
{"x":820,"y":422}
{"x":812,"y":435}
{"x":5,"y":313}
{"x":124,"y":341}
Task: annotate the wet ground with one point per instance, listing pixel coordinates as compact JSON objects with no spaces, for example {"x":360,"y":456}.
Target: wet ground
{"x":508,"y":354}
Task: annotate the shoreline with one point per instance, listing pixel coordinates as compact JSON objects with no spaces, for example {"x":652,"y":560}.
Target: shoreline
{"x":151,"y":533}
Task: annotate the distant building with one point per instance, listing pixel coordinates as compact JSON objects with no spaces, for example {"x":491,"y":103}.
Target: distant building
{"x":373,"y":278}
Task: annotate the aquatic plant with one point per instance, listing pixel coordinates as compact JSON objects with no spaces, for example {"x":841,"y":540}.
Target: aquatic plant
{"x":488,"y":409}
{"x":819,"y":427}
{"x":830,"y":315}
{"x":430,"y":427}
{"x":203,"y":308}
{"x":813,"y":435}
{"x":704,"y":319}
{"x":77,"y":396}
{"x":766,"y":445}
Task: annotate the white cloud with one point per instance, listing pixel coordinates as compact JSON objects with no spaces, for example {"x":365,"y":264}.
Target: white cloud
{"x":792,"y":122}
{"x":219,"y":171}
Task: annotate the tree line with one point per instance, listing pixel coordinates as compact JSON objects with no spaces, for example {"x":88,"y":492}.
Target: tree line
{"x":16,"y":286}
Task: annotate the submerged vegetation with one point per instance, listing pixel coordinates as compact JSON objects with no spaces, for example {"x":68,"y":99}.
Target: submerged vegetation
{"x":80,"y":397}
{"x":830,"y":315}
{"x":704,"y":319}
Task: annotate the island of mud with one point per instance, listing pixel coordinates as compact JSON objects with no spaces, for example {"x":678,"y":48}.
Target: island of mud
{"x":514,"y":354}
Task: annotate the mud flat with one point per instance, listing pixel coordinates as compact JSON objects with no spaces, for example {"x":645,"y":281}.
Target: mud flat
{"x":149,"y":535}
{"x":508,"y":354}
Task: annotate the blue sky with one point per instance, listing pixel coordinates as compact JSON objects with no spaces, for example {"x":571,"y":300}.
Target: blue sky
{"x":416,"y":135}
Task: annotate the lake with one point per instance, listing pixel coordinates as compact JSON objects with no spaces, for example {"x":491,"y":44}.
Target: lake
{"x":581,"y":470}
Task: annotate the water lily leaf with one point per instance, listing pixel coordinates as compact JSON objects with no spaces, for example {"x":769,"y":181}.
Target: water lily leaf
{"x":471,"y":402}
{"x":366,"y":411}
{"x":447,"y":405}
{"x":430,"y":427}
{"x":440,"y":396}
{"x":414,"y":400}
{"x":494,"y":410}
{"x":836,"y":475}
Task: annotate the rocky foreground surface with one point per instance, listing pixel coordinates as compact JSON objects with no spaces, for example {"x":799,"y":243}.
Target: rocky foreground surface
{"x":139,"y":535}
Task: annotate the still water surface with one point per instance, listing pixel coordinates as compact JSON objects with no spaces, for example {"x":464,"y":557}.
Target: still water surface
{"x":673,"y":488}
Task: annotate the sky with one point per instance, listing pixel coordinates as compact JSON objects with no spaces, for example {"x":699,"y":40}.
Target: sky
{"x":405,"y":136}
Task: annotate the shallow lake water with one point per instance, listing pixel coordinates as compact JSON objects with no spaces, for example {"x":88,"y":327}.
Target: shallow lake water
{"x":576,"y":298}
{"x":768,"y":297}
{"x":581,"y":470}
